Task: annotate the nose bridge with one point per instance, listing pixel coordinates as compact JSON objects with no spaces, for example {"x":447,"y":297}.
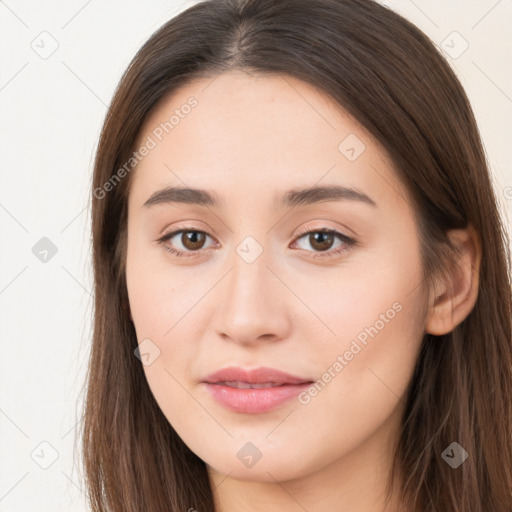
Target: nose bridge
{"x":249,"y":278}
{"x":253,"y":301}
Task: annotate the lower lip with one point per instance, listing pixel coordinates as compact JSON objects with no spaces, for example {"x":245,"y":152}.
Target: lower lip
{"x":254,"y":400}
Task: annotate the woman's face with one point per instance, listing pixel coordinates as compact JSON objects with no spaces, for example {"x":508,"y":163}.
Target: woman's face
{"x":252,"y":290}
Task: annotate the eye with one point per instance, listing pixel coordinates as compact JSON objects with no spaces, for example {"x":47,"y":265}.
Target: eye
{"x":323,"y":239}
{"x":191,"y":241}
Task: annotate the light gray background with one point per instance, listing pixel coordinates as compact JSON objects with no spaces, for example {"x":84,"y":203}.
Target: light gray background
{"x":52,"y":107}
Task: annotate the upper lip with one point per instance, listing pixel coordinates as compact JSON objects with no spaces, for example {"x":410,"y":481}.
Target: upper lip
{"x":256,"y":376}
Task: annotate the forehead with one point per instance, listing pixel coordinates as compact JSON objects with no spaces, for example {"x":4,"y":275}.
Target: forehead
{"x":243,"y":133}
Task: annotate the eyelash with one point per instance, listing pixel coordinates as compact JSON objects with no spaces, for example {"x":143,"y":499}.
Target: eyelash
{"x":348,"y":242}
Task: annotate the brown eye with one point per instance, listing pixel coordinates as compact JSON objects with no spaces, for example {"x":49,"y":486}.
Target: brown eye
{"x":321,"y":241}
{"x":193,"y":240}
{"x":184,"y":242}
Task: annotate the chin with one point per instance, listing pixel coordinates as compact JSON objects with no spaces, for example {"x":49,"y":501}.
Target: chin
{"x":269,"y":468}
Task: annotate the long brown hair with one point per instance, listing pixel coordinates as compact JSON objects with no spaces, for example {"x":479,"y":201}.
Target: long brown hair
{"x":390,"y":77}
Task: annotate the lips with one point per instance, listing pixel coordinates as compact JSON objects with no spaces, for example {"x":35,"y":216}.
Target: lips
{"x":248,"y":385}
{"x":253,"y":391}
{"x":261,"y":375}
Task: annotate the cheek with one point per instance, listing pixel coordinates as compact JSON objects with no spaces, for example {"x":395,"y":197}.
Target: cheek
{"x":367,"y":342}
{"x":163,"y":304}
{"x":162,"y":308}
{"x":369,"y":356}
{"x":365,"y":369}
{"x":164,"y":315}
{"x":359,"y":303}
{"x":157,"y":296}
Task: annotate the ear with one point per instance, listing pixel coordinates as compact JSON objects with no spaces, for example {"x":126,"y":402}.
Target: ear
{"x":453,"y":299}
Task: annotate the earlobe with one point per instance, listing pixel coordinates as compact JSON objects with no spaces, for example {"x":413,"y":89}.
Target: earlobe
{"x":455,"y":296}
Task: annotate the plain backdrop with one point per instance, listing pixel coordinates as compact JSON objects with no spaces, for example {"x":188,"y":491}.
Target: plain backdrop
{"x":60,"y":63}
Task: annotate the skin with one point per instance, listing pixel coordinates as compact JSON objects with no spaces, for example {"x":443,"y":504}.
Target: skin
{"x":248,"y":138}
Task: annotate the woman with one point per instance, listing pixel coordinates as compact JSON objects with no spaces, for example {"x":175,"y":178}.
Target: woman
{"x":302,"y":280}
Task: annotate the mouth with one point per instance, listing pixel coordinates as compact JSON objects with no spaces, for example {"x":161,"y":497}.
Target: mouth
{"x":253,"y":391}
{"x":233,"y":375}
{"x":249,"y":385}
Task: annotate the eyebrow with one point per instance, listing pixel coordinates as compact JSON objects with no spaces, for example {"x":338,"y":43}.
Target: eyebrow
{"x":293,"y":197}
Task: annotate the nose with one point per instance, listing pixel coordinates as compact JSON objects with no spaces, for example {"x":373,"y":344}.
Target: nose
{"x":253,"y":303}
